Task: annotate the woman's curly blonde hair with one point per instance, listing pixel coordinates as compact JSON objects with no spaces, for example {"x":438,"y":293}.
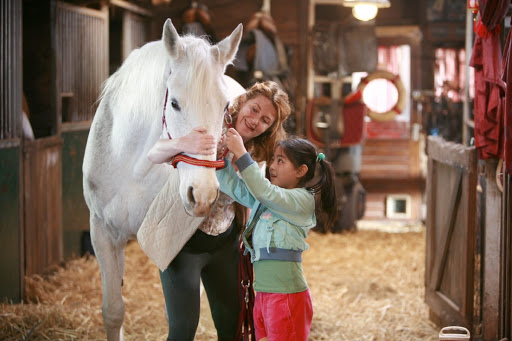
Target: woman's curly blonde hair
{"x":262,"y":146}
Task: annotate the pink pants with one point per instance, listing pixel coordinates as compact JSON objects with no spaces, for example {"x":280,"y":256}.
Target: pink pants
{"x":282,"y":317}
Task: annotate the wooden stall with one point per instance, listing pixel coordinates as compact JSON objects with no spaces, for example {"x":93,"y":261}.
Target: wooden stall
{"x":503,"y":320}
{"x":55,"y":56}
{"x":42,"y":156}
{"x":451,"y":233}
{"x":468,"y":265}
{"x":42,"y":165}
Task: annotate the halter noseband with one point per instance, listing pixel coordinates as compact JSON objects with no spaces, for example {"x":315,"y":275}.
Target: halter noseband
{"x":190,"y":160}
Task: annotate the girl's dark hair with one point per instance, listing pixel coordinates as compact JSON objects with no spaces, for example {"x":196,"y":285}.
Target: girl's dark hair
{"x":302,"y":152}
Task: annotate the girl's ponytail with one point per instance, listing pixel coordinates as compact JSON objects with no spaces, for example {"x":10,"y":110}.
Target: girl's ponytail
{"x":327,"y":189}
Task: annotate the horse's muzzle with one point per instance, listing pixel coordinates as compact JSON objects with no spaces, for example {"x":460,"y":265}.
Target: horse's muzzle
{"x":199,"y":208}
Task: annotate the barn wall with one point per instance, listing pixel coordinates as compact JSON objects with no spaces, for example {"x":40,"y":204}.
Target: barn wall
{"x":290,"y":18}
{"x":82,"y":51}
{"x":11,"y":261}
{"x":82,"y":61}
{"x":10,"y":70}
{"x":75,"y":214}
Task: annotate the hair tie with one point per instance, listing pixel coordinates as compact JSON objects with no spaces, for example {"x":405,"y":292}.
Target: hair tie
{"x":320,"y":157}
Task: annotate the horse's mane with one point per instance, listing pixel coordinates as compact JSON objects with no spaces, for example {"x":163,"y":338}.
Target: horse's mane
{"x":203,"y":72}
{"x":138,"y":86}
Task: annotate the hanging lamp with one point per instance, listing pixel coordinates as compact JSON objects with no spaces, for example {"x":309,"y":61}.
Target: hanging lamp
{"x":365,"y":10}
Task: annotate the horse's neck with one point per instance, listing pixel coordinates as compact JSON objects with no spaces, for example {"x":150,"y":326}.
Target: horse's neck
{"x":136,"y":147}
{"x":137,"y":104}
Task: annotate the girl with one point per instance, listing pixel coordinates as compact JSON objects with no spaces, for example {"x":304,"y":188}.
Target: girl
{"x":212,"y":254}
{"x":283,"y":211}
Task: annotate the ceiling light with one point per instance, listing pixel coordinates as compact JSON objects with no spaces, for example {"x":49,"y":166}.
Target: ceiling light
{"x":365,"y":10}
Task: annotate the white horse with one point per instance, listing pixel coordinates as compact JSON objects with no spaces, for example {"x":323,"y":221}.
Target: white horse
{"x":120,"y":182}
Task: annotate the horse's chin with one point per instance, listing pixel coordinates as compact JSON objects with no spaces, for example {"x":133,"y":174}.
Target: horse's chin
{"x":195,"y":211}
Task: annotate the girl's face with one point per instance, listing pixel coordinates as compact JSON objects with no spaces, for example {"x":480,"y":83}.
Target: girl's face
{"x":255,"y":117}
{"x":283,"y":172}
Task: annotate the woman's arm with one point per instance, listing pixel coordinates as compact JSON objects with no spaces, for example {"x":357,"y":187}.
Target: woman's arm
{"x":195,"y":142}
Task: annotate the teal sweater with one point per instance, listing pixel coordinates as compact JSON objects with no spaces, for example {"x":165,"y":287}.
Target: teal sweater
{"x":276,"y":240}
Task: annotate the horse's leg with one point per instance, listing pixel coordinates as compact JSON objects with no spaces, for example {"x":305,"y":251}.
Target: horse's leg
{"x":110,"y":256}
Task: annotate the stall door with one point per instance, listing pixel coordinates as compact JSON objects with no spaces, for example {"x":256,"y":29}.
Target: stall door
{"x":451,"y":209}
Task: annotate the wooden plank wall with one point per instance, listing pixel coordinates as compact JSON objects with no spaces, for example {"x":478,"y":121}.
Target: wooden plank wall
{"x":390,"y":159}
{"x":42,"y":203}
{"x":391,"y":166}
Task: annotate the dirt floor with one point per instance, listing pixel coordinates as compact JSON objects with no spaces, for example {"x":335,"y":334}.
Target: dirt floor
{"x":366,"y":285}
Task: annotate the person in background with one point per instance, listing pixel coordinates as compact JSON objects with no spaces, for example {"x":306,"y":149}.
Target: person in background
{"x":283,"y":212}
{"x":212,"y":254}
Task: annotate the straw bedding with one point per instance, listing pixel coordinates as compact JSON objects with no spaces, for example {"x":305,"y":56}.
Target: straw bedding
{"x":366,"y":285}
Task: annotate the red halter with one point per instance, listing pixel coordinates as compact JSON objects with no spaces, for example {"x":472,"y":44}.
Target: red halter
{"x":190,"y":160}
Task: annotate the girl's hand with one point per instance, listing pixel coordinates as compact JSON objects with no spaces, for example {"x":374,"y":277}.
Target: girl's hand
{"x":235,"y":143}
{"x":197,"y":142}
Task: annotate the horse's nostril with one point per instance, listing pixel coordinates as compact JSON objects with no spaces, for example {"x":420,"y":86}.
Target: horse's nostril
{"x":190,"y":195}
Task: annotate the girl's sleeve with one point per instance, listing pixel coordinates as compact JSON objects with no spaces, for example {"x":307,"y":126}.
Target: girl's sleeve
{"x":295,"y":205}
{"x":232,"y":185}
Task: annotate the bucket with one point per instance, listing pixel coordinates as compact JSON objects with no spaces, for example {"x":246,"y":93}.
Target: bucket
{"x":454,"y":333}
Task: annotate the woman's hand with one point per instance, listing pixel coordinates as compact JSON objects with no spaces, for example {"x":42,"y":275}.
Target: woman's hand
{"x":235,"y":143}
{"x":195,"y":142}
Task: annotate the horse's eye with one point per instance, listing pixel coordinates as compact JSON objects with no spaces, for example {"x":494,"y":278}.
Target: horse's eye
{"x":175,"y":105}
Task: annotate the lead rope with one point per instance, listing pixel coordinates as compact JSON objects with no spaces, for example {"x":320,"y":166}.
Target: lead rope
{"x":245,"y":330}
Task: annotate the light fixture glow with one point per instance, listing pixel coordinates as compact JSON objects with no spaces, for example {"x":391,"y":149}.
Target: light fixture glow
{"x":364,"y":12}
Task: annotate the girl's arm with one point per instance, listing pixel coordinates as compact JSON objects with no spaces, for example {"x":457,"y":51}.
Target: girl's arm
{"x":195,"y":142}
{"x":232,"y":185}
{"x":295,"y":205}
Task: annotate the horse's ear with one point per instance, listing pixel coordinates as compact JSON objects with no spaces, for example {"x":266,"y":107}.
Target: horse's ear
{"x":171,"y":39}
{"x":229,"y":45}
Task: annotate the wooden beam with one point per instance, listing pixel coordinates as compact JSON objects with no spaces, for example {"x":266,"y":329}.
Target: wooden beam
{"x":131,"y":7}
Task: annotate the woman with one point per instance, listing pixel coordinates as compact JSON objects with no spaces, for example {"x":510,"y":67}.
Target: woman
{"x":212,"y":253}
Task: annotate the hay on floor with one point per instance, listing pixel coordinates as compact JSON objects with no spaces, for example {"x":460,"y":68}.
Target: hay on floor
{"x":366,"y":285}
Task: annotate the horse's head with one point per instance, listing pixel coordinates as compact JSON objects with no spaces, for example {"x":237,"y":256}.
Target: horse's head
{"x":197,"y":96}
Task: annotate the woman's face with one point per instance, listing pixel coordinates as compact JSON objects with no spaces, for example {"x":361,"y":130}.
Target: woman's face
{"x":255,"y":117}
